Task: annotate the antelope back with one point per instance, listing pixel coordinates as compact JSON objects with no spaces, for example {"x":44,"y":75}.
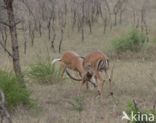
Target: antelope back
{"x":71,"y":59}
{"x":96,"y":60}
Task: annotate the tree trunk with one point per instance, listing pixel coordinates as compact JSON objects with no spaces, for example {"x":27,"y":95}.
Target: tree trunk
{"x":14,"y":41}
{"x":60,"y":44}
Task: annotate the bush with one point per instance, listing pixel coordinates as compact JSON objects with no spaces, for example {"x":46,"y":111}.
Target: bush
{"x":15,"y":94}
{"x":132,"y":107}
{"x":133,"y":41}
{"x":44,"y":73}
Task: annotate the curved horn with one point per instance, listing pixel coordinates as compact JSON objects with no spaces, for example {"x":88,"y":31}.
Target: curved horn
{"x":72,"y":76}
{"x":93,"y":83}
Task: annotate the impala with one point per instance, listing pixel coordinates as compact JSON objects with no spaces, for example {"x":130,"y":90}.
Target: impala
{"x":71,"y":60}
{"x":99,"y":62}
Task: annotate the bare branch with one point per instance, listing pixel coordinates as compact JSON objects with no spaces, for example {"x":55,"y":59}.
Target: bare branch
{"x":6,"y":50}
{"x":60,"y":43}
{"x":4,"y":23}
{"x":3,"y":6}
{"x":17,"y":22}
{"x":4,"y":36}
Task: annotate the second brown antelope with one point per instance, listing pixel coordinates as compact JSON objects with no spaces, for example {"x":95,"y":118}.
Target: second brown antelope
{"x":71,"y":60}
{"x":99,"y":62}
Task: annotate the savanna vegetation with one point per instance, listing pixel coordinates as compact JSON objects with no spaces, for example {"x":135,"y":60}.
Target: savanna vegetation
{"x":33,"y":32}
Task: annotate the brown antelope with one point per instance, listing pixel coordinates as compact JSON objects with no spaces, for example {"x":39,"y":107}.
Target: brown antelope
{"x":99,"y":62}
{"x":73,"y":61}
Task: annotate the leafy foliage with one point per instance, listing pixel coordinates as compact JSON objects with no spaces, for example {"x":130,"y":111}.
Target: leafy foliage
{"x":14,"y":92}
{"x":132,"y":107}
{"x":44,"y":72}
{"x":133,"y":41}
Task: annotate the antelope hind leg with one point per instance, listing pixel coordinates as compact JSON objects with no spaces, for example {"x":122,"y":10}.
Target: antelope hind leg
{"x":110,"y":83}
{"x":100,"y":83}
{"x":63,"y":68}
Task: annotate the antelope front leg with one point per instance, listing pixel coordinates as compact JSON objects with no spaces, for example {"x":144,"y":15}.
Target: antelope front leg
{"x":63,"y":68}
{"x":110,"y":82}
{"x":100,"y":83}
{"x":87,"y":85}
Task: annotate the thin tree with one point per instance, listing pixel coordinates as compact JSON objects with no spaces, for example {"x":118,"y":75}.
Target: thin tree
{"x":14,"y":41}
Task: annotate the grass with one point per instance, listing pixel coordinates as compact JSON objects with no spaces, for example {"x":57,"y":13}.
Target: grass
{"x":134,"y":41}
{"x":128,"y":83}
{"x":15,"y":94}
{"x":141,"y":116}
{"x":44,"y":73}
{"x":134,"y":78}
{"x":77,"y":104}
{"x":154,"y":40}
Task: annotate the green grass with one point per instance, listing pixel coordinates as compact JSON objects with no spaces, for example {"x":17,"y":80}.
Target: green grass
{"x":134,"y":41}
{"x":133,"y":107}
{"x":15,"y":94}
{"x":78,"y":104}
{"x":44,"y":73}
{"x":154,"y":40}
{"x":132,"y":79}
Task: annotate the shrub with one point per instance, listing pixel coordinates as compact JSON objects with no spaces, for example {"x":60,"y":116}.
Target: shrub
{"x":15,"y":94}
{"x":44,"y":72}
{"x":131,"y":107}
{"x":134,"y":40}
{"x":139,"y":114}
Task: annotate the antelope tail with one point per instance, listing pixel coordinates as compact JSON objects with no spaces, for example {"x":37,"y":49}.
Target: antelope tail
{"x":55,"y":60}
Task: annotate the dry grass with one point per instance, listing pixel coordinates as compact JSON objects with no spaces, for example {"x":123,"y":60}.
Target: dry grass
{"x":133,"y":79}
